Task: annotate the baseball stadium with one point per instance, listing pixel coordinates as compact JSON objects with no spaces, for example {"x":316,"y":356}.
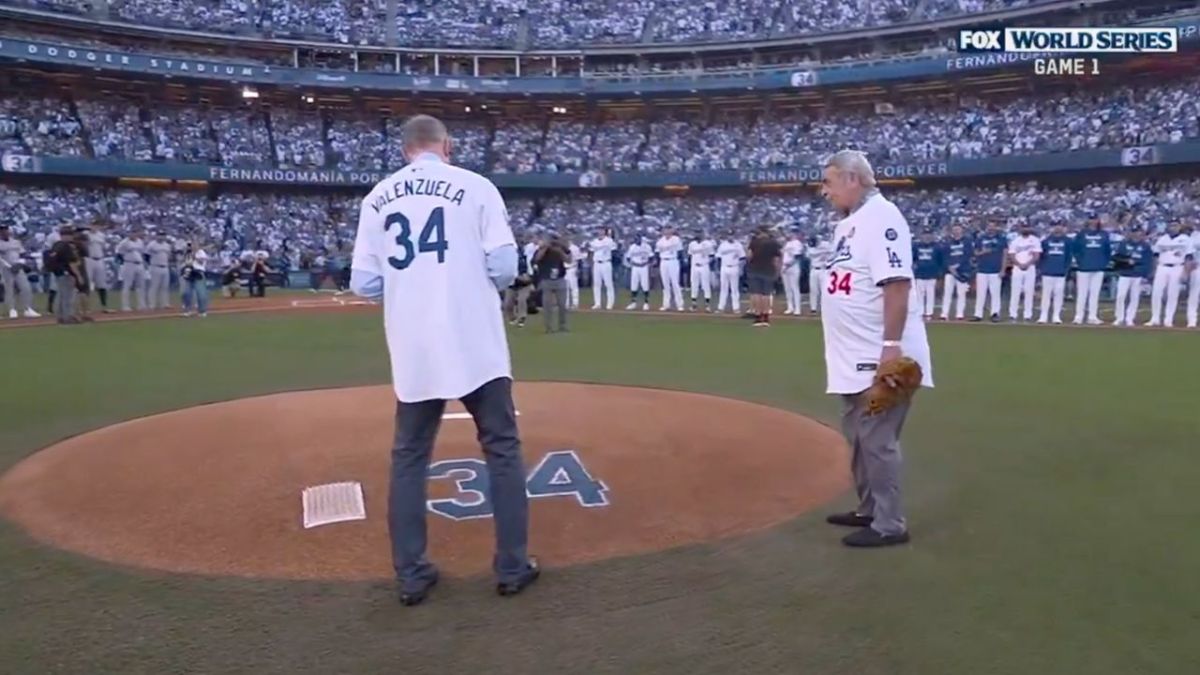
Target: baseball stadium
{"x":805,"y":336}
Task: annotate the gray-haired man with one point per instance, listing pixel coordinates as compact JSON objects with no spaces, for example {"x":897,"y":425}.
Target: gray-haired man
{"x":868,"y":320}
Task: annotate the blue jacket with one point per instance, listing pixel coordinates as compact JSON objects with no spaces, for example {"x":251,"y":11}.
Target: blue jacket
{"x":1093,"y":250}
{"x":1056,"y":256}
{"x":927,"y":260}
{"x":960,"y":253}
{"x":1141,"y":254}
{"x":989,"y":252}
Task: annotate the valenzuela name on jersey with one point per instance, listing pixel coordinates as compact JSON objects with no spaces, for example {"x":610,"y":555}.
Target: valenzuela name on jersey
{"x":418,"y":186}
{"x":1160,"y":39}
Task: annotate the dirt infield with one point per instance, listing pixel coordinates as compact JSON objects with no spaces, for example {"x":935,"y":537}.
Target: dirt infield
{"x":216,"y":489}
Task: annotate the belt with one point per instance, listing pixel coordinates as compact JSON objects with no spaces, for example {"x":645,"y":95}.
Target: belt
{"x":159,"y":265}
{"x":1169,"y":264}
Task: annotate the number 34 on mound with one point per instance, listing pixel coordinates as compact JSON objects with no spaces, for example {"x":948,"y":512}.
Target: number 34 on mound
{"x":559,"y":474}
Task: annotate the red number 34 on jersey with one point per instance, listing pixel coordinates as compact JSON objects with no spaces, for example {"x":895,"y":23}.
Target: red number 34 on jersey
{"x":838,"y":282}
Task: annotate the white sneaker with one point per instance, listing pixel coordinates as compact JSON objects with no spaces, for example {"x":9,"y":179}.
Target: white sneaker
{"x":646,"y":307}
{"x":1151,"y":324}
{"x":12,"y":313}
{"x":595,"y":306}
{"x":1057,"y":322}
{"x":1042,"y":321}
{"x":1094,"y":322}
{"x":1117,"y":322}
{"x":30,"y":314}
{"x":189,"y":314}
{"x":203,"y":314}
{"x":680,"y":309}
{"x":632,"y":305}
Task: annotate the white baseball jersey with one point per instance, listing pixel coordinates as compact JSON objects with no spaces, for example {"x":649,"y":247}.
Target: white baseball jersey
{"x":602,"y":249}
{"x":529,"y":249}
{"x":1173,"y":250}
{"x":573,"y":263}
{"x":132,"y":251}
{"x":1196,"y":245}
{"x":11,"y":251}
{"x":1025,"y":248}
{"x":668,"y":248}
{"x":730,"y":253}
{"x":426,"y":230}
{"x":95,"y":245}
{"x":818,"y":255}
{"x":874,"y":244}
{"x":638,"y":255}
{"x":792,"y":250}
{"x":701,"y":252}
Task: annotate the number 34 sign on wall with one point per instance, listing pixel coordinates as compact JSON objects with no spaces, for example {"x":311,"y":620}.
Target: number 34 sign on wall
{"x":559,"y":474}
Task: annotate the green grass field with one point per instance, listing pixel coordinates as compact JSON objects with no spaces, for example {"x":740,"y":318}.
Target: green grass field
{"x":1050,"y":486}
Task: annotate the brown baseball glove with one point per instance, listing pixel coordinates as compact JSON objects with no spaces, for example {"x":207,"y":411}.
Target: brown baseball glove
{"x":895,"y":381}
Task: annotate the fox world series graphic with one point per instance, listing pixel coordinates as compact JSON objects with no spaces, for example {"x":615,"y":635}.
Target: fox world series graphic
{"x":1053,"y":50}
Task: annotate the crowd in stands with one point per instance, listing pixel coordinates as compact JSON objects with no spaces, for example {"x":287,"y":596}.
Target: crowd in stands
{"x":547,"y":23}
{"x":288,"y":223}
{"x":1113,"y":117}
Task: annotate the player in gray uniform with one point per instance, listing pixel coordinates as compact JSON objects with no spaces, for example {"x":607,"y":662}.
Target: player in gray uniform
{"x":159,"y":251}
{"x":133,"y":269}
{"x":97,"y":264}
{"x":15,"y":276}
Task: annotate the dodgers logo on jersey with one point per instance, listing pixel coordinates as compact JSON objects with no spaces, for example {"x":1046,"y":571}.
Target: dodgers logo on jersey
{"x":890,"y":234}
{"x":842,"y":253}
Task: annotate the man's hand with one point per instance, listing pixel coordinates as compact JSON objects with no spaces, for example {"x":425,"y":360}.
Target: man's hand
{"x":889,"y":354}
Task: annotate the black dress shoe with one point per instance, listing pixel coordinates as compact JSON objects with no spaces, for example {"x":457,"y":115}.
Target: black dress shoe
{"x":514,"y":587}
{"x":976,"y":319}
{"x":412,"y":598}
{"x":850,"y":519}
{"x":868,"y":538}
{"x":995,"y":318}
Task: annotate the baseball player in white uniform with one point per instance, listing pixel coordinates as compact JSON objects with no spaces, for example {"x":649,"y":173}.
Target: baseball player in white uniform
{"x":18,"y":293}
{"x":602,"y":248}
{"x":731,"y":253}
{"x":572,"y":276}
{"x":429,"y":232}
{"x":637,"y":259}
{"x":870,"y":317}
{"x":1193,"y":271}
{"x":1023,"y":252}
{"x":701,"y":251}
{"x":159,"y":252}
{"x":97,"y":264}
{"x":132,"y":250}
{"x":1173,"y":249}
{"x":668,"y":247}
{"x":793,"y":252}
{"x":819,"y":251}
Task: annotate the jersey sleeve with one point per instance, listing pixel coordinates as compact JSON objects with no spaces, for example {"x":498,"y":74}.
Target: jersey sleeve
{"x":889,"y":249}
{"x":494,"y":230}
{"x":366,"y":256}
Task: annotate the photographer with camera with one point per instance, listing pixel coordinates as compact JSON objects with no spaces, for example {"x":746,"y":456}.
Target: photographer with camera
{"x":550,"y":261}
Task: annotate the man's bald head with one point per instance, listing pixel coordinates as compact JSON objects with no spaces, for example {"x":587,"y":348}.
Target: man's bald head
{"x":425,"y":133}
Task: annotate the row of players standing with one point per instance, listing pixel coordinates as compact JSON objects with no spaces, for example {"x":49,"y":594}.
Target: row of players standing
{"x":1091,"y":253}
{"x":696,"y":264}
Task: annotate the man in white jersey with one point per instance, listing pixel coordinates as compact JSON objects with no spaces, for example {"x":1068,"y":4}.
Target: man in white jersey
{"x":731,"y":253}
{"x":602,"y":248}
{"x":637,"y":259}
{"x":1023,"y":253}
{"x":793,"y":252}
{"x":1173,"y":249}
{"x":819,"y":251}
{"x":869,"y":318}
{"x":14,"y":274}
{"x":701,"y":251}
{"x":132,"y":250}
{"x":429,"y":233}
{"x":1192,"y":269}
{"x":573,"y":273}
{"x":668,"y":247}
{"x":96,"y":263}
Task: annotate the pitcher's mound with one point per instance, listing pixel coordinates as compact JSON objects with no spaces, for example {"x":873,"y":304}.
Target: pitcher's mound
{"x":612,"y":471}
